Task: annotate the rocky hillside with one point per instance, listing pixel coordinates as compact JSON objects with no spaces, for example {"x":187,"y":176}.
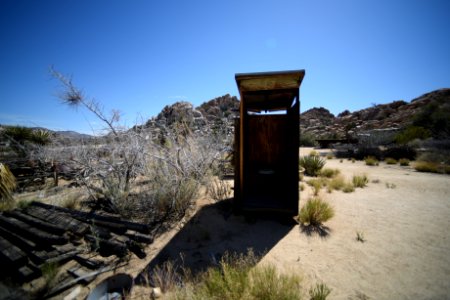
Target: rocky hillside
{"x":219,"y":111}
{"x":320,"y":123}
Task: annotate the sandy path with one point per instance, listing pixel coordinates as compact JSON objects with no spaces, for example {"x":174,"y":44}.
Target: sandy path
{"x":407,"y":250}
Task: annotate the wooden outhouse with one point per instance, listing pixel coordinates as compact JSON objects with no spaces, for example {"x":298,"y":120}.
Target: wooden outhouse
{"x":267,"y":142}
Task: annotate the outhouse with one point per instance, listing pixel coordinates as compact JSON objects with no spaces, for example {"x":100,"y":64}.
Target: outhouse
{"x":267,"y":142}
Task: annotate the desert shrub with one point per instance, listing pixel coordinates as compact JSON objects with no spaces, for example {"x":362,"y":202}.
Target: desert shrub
{"x":235,"y":279}
{"x":317,"y":184}
{"x":362,"y":151}
{"x":432,"y":167}
{"x":166,"y":276}
{"x":319,"y":292}
{"x":360,"y":181}
{"x":307,"y":140}
{"x":403,"y":151}
{"x":7,"y":185}
{"x":302,"y":187}
{"x":336,"y":183}
{"x":329,"y":173}
{"x":348,"y":188}
{"x":313,"y":153}
{"x":360,"y":236}
{"x":312,"y":164}
{"x":371,"y":161}
{"x":411,"y":133}
{"x":218,"y":189}
{"x":390,"y":161}
{"x":315,"y":212}
{"x":404,"y":162}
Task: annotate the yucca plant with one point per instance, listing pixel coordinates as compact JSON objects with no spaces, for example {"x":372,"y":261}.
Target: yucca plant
{"x":312,"y":164}
{"x":315,"y":212}
{"x":7,"y":184}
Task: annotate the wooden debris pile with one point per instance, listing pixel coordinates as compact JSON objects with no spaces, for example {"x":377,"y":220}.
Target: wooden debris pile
{"x":43,"y":234}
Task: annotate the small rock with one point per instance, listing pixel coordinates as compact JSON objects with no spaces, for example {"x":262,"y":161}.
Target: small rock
{"x":156,"y":293}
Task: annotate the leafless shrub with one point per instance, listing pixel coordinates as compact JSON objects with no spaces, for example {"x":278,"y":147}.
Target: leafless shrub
{"x":110,"y":165}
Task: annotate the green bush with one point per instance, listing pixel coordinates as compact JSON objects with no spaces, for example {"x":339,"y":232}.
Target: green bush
{"x":371,"y":161}
{"x":307,"y":140}
{"x":312,"y":164}
{"x":315,"y":212}
{"x":390,"y":161}
{"x":411,"y":133}
{"x":404,"y":162}
{"x":360,"y":181}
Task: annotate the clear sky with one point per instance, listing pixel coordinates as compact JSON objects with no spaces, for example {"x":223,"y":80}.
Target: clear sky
{"x":138,"y":56}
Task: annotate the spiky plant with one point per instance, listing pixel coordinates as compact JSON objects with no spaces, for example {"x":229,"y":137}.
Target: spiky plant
{"x":312,"y":164}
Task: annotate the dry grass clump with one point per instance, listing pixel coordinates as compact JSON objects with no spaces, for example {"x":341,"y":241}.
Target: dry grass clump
{"x":317,"y":184}
{"x":348,"y":188}
{"x":371,"y":161}
{"x":329,"y":173}
{"x":360,"y":181}
{"x":403,"y":162}
{"x":219,"y":189}
{"x":337,"y":183}
{"x":236,"y":278}
{"x":7,"y":186}
{"x":432,"y":167}
{"x":390,"y":161}
{"x":315,"y":212}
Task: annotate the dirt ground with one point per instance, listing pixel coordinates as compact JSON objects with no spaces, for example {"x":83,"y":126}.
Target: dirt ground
{"x":402,"y":214}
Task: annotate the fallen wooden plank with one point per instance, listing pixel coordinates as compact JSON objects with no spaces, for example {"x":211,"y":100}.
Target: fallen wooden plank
{"x":31,"y":233}
{"x":60,"y":219}
{"x":105,"y":247}
{"x":11,"y":255}
{"x":80,"y":215}
{"x":38,"y":223}
{"x":87,"y":262}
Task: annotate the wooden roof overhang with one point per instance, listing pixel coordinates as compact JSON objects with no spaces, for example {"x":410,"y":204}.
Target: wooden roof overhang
{"x":269,"y":91}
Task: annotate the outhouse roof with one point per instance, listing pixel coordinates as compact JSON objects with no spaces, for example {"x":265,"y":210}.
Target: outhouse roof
{"x":269,"y":91}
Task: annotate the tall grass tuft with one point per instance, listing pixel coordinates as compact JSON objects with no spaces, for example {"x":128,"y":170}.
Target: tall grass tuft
{"x":319,"y":292}
{"x":315,"y":212}
{"x":360,"y":181}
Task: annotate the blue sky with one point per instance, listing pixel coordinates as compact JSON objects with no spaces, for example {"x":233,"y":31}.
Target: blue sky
{"x":138,"y":56}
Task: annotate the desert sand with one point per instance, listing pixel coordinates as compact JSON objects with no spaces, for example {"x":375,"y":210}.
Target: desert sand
{"x":404,"y":216}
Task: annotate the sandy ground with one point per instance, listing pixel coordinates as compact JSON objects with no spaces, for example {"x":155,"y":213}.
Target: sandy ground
{"x":406,"y":253}
{"x":407,"y":250}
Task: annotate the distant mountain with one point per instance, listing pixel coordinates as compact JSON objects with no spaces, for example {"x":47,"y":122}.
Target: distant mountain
{"x":320,"y":123}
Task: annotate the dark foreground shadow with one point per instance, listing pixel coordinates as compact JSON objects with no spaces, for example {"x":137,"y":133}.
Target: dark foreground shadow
{"x":321,"y":230}
{"x":214,"y":231}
